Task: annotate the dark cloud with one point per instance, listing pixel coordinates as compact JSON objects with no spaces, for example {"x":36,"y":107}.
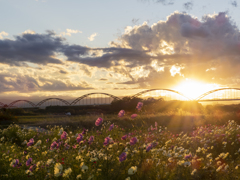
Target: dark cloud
{"x":188,"y":5}
{"x":234,"y":3}
{"x":35,"y":48}
{"x":165,"y":2}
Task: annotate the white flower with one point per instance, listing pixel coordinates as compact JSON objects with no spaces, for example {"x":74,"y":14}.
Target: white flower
{"x":132,"y":170}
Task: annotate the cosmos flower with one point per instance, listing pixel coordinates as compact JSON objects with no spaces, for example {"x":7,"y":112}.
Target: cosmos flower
{"x":139,"y":106}
{"x":29,"y":161}
{"x":30,"y":143}
{"x":123,"y":157}
{"x":133,"y":116}
{"x":132,"y":170}
{"x":111,"y":127}
{"x":121,"y":113}
{"x":67,"y":172}
{"x":99,"y":121}
{"x":107,"y":140}
{"x":124,"y":137}
{"x":64,"y":135}
{"x":133,"y":141}
{"x":91,"y":139}
{"x":149,"y":147}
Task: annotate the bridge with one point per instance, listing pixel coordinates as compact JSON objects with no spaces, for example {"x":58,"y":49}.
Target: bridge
{"x":99,"y":98}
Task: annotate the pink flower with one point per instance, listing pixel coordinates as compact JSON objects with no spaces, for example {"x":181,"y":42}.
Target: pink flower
{"x":133,"y":141}
{"x":64,"y":135}
{"x":31,"y":141}
{"x":16,"y":163}
{"x":107,"y":140}
{"x":123,"y":157}
{"x":91,"y":139}
{"x":149,"y":147}
{"x":79,"y":138}
{"x":124,"y":137}
{"x":133,"y":116}
{"x":111,"y":127}
{"x":156,"y":124}
{"x":99,"y":121}
{"x":139,"y":106}
{"x":29,"y":161}
{"x":121,"y":113}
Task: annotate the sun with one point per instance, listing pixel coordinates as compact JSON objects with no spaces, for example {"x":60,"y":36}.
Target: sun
{"x":192,"y":88}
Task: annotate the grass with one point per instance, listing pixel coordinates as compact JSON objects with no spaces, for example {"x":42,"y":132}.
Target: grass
{"x":137,"y":149}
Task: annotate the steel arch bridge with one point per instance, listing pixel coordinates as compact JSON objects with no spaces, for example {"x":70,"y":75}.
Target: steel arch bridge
{"x":14,"y":102}
{"x":86,"y":95}
{"x":45,"y":100}
{"x":2,"y":104}
{"x":234,"y":95}
{"x":168,"y":90}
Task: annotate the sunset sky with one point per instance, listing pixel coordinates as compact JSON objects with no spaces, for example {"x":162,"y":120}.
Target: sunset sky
{"x":71,"y":47}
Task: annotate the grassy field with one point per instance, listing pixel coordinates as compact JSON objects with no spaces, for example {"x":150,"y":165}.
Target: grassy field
{"x":169,"y":146}
{"x":175,"y":121}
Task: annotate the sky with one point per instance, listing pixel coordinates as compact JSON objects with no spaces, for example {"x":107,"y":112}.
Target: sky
{"x":69,"y":48}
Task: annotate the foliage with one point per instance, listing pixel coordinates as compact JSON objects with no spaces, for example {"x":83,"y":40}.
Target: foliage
{"x":113,"y":152}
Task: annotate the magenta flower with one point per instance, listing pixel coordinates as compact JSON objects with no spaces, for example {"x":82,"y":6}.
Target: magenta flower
{"x":133,"y":141}
{"x":16,"y":163}
{"x":29,"y":161}
{"x":124,"y":137}
{"x":91,"y":139}
{"x":79,"y":138}
{"x":149,"y":147}
{"x":106,"y":141}
{"x":123,"y":157}
{"x":53,"y":145}
{"x":99,"y":121}
{"x":58,"y":145}
{"x":139,"y":106}
{"x":32,"y":167}
{"x":111,"y":127}
{"x":121,"y":113}
{"x":133,"y":116}
{"x":84,"y":131}
{"x":64,"y":135}
{"x":31,"y":142}
{"x":188,"y":156}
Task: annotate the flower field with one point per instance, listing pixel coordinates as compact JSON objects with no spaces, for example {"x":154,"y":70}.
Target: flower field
{"x":108,"y":151}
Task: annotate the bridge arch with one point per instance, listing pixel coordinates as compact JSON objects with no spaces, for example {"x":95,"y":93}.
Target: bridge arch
{"x":86,"y":95}
{"x":2,"y":104}
{"x":45,"y":100}
{"x":213,"y":91}
{"x":14,"y":102}
{"x":168,"y":90}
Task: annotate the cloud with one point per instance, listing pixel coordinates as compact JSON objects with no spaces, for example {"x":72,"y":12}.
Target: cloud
{"x":35,"y":48}
{"x":234,"y":3}
{"x":28,"y":84}
{"x":164,"y":2}
{"x":144,"y":55}
{"x":103,"y":79}
{"x":188,"y":5}
{"x":69,"y":32}
{"x":92,"y":37}
{"x":63,"y":72}
{"x":3,"y":33}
